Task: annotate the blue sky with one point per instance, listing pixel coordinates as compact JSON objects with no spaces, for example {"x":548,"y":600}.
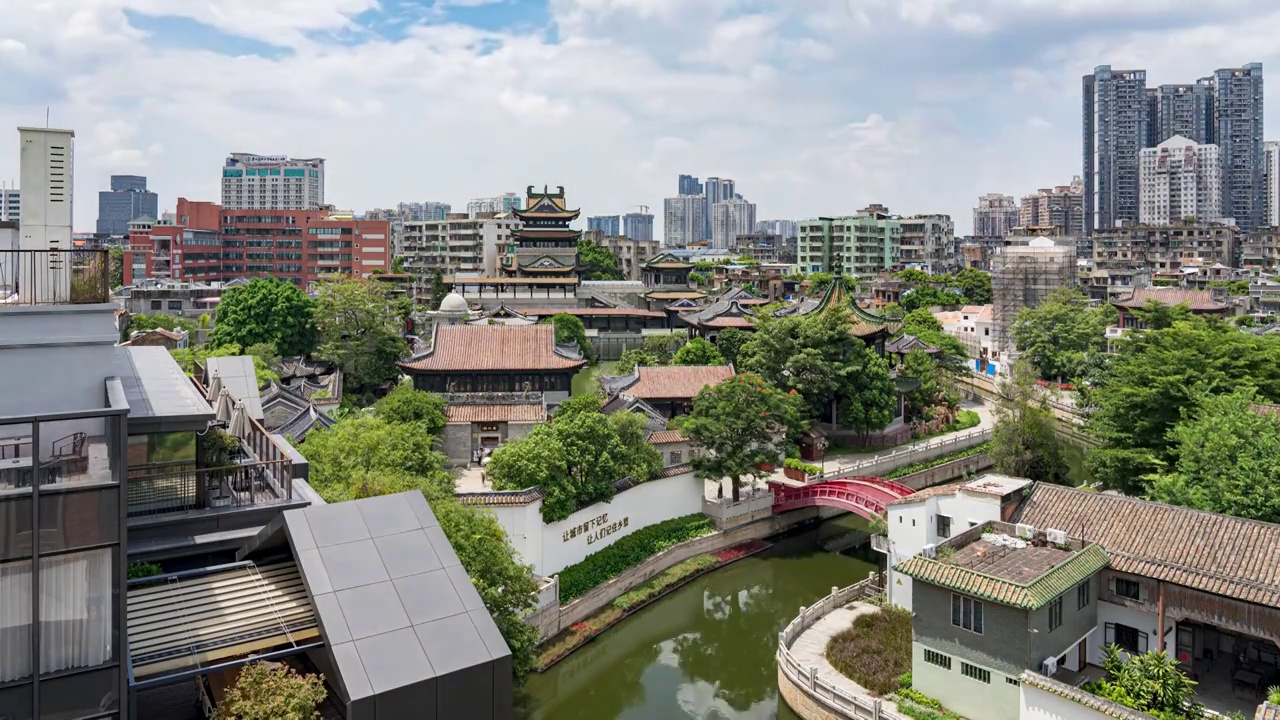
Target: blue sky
{"x":812,"y":106}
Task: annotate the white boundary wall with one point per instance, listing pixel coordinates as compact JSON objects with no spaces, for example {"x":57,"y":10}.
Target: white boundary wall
{"x":551,"y":547}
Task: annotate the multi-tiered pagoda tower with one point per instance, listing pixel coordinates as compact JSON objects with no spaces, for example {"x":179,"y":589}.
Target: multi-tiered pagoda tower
{"x":545,"y":246}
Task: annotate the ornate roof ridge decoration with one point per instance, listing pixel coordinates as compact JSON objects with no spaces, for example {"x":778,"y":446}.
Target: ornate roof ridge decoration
{"x":906,"y":343}
{"x":502,"y":311}
{"x":667,"y":258}
{"x":1031,"y":595}
{"x":545,"y":262}
{"x":544,"y":204}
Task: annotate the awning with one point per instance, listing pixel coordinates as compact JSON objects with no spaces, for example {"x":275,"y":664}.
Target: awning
{"x":186,"y":623}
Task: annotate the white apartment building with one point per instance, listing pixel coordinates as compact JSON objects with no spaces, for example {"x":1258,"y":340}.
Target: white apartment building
{"x":1271,"y":169}
{"x":10,"y":205}
{"x":1177,"y":179}
{"x":272,"y":182}
{"x":729,"y":219}
{"x":457,"y":245}
{"x":503,"y":203}
{"x":683,"y":221}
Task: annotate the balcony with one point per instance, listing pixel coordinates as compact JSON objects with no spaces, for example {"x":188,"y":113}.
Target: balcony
{"x":54,"y":277}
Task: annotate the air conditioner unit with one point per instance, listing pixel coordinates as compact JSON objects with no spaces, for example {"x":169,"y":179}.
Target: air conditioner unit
{"x":929,"y":551}
{"x":1024,"y":531}
{"x":1057,"y":537}
{"x":1049,"y":667}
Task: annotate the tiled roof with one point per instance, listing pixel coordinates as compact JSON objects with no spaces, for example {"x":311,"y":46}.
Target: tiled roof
{"x":493,"y":347}
{"x":1109,"y":708}
{"x":728,"y":322}
{"x":1030,"y":596}
{"x":676,"y":381}
{"x":674,"y":470}
{"x":596,"y":312}
{"x":502,"y":497}
{"x":1218,"y":554}
{"x":666,"y":437}
{"x":1194,"y":299}
{"x":525,"y":412}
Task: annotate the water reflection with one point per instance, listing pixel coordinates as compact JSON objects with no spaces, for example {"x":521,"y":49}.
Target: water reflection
{"x":706,"y":651}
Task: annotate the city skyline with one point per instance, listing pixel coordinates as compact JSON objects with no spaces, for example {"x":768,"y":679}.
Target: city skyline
{"x":797,"y":165}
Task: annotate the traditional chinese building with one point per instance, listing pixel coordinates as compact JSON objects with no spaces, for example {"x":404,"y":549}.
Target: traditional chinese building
{"x":496,"y":358}
{"x":544,"y":246}
{"x":668,"y":389}
{"x":667,"y":270}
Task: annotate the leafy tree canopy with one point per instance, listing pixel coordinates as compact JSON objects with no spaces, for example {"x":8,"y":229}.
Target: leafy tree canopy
{"x":263,"y":355}
{"x":115,"y":261}
{"x":366,"y":443}
{"x":405,"y":405}
{"x":1155,"y":376}
{"x":925,"y":296}
{"x":271,"y":691}
{"x":1024,"y":441}
{"x":743,"y":423}
{"x":629,"y":360}
{"x":1227,"y":459}
{"x":569,"y":329}
{"x":920,"y":367}
{"x":266,"y":310}
{"x":1151,"y":683}
{"x":164,"y":322}
{"x":1155,"y":315}
{"x":361,"y":333}
{"x":576,"y":459}
{"x":664,"y":347}
{"x":1061,"y":334}
{"x":598,"y":262}
{"x":698,"y":351}
{"x":729,"y":342}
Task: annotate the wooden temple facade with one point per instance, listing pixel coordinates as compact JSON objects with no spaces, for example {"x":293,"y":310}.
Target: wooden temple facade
{"x":544,"y":246}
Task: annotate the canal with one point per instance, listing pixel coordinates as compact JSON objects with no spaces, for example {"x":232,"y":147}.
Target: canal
{"x":707,"y":650}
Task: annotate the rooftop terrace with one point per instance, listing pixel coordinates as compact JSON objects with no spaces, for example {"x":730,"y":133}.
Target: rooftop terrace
{"x":1004,"y":563}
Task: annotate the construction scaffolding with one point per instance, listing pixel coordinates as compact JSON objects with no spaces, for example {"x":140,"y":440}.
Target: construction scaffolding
{"x":1023,"y":276}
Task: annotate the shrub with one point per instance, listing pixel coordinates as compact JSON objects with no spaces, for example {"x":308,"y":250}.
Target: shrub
{"x":926,"y":464}
{"x":1273,"y":694}
{"x":670,"y":577}
{"x":602,"y":566}
{"x":140,"y":569}
{"x":875,"y":651}
{"x":904,"y":682}
{"x":268,"y":691}
{"x":806,"y":468}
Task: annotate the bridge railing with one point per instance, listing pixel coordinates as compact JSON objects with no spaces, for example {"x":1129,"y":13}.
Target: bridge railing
{"x":807,"y":679}
{"x":902,"y":457}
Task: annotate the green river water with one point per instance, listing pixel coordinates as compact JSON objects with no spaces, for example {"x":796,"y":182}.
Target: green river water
{"x":705,"y":651}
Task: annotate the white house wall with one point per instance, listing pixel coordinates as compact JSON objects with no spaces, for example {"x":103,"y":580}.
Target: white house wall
{"x":914,"y":525}
{"x":1040,"y":704}
{"x":551,"y":547}
{"x":1144,"y":621}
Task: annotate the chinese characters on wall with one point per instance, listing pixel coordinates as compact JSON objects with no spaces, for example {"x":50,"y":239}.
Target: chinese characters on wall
{"x":597,"y":528}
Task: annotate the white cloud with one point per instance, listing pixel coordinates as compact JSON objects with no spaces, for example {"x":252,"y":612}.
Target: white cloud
{"x":815,"y":107}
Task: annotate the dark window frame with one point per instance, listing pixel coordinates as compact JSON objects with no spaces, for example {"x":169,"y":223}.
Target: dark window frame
{"x":1127,"y":583}
{"x":1084,"y":594}
{"x":967,"y":613}
{"x":1055,"y":613}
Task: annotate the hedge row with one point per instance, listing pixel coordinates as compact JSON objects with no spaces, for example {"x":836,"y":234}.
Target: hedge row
{"x":940,"y":460}
{"x":630,"y":551}
{"x":671,"y":576}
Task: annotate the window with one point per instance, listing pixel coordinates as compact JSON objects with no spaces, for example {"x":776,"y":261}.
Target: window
{"x":975,"y":673}
{"x":175,"y":305}
{"x":676,"y":457}
{"x":1126,"y":638}
{"x":156,"y":305}
{"x":1055,"y":614}
{"x":1013,"y":681}
{"x":944,"y":526}
{"x":966,"y":613}
{"x":1128,"y":589}
{"x":1082,"y":595}
{"x":937,"y":658}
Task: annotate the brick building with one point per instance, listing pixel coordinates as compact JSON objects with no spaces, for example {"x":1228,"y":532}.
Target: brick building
{"x":207,"y":243}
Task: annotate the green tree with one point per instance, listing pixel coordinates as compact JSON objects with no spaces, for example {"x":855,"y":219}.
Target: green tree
{"x":743,"y":423}
{"x":925,"y":296}
{"x":921,"y":368}
{"x":1151,"y":682}
{"x":819,"y":282}
{"x":1061,"y":333}
{"x":914,"y":276}
{"x":189,"y":356}
{"x":1227,"y":459}
{"x":664,"y":347}
{"x":922,"y":324}
{"x":637,"y":459}
{"x":975,"y":284}
{"x":166,"y":322}
{"x":629,"y":360}
{"x":598,"y":262}
{"x":266,"y":310}
{"x":569,"y":329}
{"x":367,"y":443}
{"x":869,"y":401}
{"x":360,"y":333}
{"x":1024,"y":441}
{"x":697,"y":278}
{"x":1155,"y":315}
{"x":271,"y":691}
{"x":115,"y":261}
{"x":438,"y":289}
{"x":1154,"y":376}
{"x":698,"y":352}
{"x":729,"y":342}
{"x":405,"y":405}
{"x":578,"y":404}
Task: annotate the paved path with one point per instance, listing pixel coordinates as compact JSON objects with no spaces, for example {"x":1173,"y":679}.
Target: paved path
{"x":986,"y":421}
{"x":810,"y":649}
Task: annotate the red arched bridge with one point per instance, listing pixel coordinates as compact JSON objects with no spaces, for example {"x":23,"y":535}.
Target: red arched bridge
{"x":861,"y":494}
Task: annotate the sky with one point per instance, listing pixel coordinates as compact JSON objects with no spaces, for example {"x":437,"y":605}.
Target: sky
{"x":814,"y":107}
